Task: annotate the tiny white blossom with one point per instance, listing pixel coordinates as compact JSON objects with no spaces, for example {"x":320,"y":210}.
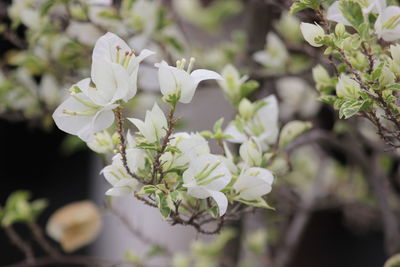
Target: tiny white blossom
{"x":206,"y":176}
{"x":182,"y":83}
{"x":231,"y":82}
{"x":154,"y":125}
{"x":254,"y":183}
{"x":311,"y":32}
{"x":102,"y":143}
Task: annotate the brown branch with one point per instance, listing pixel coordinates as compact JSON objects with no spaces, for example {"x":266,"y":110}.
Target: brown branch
{"x":42,"y":241}
{"x":20,"y":243}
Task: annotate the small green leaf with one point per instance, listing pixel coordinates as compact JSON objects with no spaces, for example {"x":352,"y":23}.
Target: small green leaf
{"x":352,"y":11}
{"x":147,"y":189}
{"x":328,"y":99}
{"x":350,"y":107}
{"x":259,"y":203}
{"x":218,"y":125}
{"x":248,"y":87}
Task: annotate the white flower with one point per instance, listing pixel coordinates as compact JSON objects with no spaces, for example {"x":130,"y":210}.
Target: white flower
{"x":78,"y":115}
{"x":180,"y":83}
{"x":190,"y":146}
{"x":263,"y":125}
{"x":250,"y":152}
{"x":123,"y":184}
{"x":232,"y":82}
{"x":49,"y":90}
{"x":275,"y":54}
{"x":347,"y":87}
{"x":114,"y":70}
{"x":101,"y":143}
{"x":311,"y":32}
{"x":154,"y":125}
{"x":334,"y":14}
{"x":387,"y":25}
{"x":114,"y":75}
{"x":254,"y":183}
{"x":206,"y":177}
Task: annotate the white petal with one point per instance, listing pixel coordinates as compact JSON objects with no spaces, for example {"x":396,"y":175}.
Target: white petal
{"x":334,"y":14}
{"x":254,"y":183}
{"x":167,"y":79}
{"x":236,"y":135}
{"x":108,"y":176}
{"x":201,"y":75}
{"x":140,"y":125}
{"x":118,"y":192}
{"x":68,"y":123}
{"x":106,"y":47}
{"x":221,"y":200}
{"x":103,"y":77}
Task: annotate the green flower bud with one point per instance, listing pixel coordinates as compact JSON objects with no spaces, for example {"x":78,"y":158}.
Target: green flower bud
{"x":340,"y":29}
{"x":321,"y":76}
{"x":246,"y":109}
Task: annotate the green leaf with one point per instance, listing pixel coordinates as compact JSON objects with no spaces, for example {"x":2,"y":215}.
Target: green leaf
{"x":393,"y":261}
{"x":328,"y":99}
{"x":292,"y":130}
{"x":248,"y":87}
{"x":352,"y":12}
{"x":147,"y":189}
{"x":214,"y":211}
{"x":394,"y":87}
{"x":259,"y":203}
{"x":217,"y":128}
{"x":350,"y":107}
{"x":297,"y":7}
{"x":164,"y":203}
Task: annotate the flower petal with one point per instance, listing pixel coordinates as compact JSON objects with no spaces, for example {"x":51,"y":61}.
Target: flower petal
{"x":106,"y":47}
{"x":221,"y":200}
{"x":334,"y":14}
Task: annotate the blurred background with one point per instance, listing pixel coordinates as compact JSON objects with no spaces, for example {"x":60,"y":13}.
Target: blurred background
{"x":342,"y":227}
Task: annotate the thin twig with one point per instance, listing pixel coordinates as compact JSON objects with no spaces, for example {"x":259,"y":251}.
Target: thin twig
{"x":41,"y":240}
{"x":20,"y":243}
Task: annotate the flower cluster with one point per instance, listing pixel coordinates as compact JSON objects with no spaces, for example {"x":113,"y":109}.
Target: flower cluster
{"x":174,"y":171}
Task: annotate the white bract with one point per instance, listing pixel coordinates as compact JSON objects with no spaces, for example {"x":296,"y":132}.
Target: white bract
{"x":311,"y":32}
{"x":387,"y":25}
{"x":275,"y":54}
{"x":347,"y":87}
{"x":123,"y":184}
{"x":113,"y":78}
{"x":190,"y":146}
{"x":102,"y":143}
{"x":231,"y":82}
{"x":179,"y":83}
{"x":154,"y":125}
{"x":263,"y":125}
{"x":254,"y":183}
{"x":206,"y":176}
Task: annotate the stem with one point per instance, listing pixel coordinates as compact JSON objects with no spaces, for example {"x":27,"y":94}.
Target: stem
{"x":20,"y":243}
{"x":157,"y":165}
{"x":42,"y":241}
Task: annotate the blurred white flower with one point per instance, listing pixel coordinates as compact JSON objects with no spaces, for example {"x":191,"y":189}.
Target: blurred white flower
{"x":232,"y":82}
{"x":102,"y":143}
{"x":180,"y":83}
{"x":84,"y":32}
{"x":206,"y":176}
{"x":251,"y":153}
{"x":263,"y":125}
{"x":347,"y":87}
{"x":275,"y":54}
{"x":253,"y":183}
{"x":297,"y":97}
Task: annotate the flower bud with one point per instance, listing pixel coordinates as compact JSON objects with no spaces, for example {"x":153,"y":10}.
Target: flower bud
{"x":321,"y":76}
{"x":387,"y":77}
{"x":311,"y":32}
{"x":250,"y":152}
{"x":347,"y":87}
{"x":340,"y":29}
{"x":246,"y":109}
{"x":101,"y":143}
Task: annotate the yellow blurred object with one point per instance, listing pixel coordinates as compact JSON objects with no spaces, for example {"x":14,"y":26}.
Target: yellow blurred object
{"x":75,"y":225}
